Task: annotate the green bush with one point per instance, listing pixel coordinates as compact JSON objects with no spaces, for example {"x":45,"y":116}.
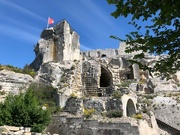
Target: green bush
{"x":117,"y":94}
{"x":114,"y":113}
{"x":126,"y":83}
{"x":88,"y":112}
{"x":24,"y":110}
{"x":46,"y":96}
{"x":149,"y":96}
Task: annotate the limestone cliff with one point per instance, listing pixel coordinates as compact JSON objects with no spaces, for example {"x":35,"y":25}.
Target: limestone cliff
{"x":11,"y":82}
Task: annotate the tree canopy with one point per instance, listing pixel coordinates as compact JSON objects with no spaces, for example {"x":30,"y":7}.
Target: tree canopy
{"x":24,"y":110}
{"x":161,"y":36}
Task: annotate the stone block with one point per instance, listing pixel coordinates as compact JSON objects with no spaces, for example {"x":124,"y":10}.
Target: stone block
{"x":27,"y":129}
{"x":27,"y":133}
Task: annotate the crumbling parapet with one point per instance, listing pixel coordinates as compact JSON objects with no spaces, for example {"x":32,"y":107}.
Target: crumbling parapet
{"x":108,"y":53}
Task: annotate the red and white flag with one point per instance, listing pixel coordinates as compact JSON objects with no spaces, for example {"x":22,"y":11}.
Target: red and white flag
{"x":50,"y":20}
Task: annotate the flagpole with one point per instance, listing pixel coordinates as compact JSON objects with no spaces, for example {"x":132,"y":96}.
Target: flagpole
{"x":48,"y":23}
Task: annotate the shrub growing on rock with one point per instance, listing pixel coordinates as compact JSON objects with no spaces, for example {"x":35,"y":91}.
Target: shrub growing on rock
{"x":138,"y":116}
{"x":88,"y":113}
{"x":114,"y":114}
{"x":117,"y":94}
{"x":46,"y":96}
{"x":73,"y":95}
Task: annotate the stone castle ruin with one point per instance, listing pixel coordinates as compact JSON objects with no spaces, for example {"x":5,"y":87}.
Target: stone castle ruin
{"x":88,"y":80}
{"x":101,"y":70}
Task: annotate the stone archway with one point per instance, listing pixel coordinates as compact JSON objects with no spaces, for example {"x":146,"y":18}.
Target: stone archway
{"x":130,"y":108}
{"x":105,"y":78}
{"x":129,"y":105}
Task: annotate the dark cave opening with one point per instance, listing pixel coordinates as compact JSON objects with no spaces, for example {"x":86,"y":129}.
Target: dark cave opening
{"x":106,"y":78}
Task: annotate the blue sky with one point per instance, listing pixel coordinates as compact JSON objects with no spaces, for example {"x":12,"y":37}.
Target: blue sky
{"x":22,"y":21}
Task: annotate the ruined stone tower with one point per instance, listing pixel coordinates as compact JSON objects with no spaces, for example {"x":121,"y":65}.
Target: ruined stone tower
{"x":59,"y":43}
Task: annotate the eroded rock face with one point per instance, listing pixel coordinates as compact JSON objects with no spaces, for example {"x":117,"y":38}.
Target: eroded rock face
{"x":11,"y":82}
{"x":59,"y":43}
{"x":95,"y":104}
{"x":73,"y":105}
{"x":64,"y":76}
{"x":113,"y":104}
{"x":158,"y":85}
{"x":167,"y":110}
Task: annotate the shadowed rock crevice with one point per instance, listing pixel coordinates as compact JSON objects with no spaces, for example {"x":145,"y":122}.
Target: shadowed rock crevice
{"x":106,"y":78}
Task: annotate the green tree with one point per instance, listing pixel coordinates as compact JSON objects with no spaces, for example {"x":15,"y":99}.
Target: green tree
{"x":24,"y":110}
{"x":162,"y":31}
{"x":46,"y":96}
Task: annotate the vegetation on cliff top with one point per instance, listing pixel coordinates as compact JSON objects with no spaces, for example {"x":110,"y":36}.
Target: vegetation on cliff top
{"x":25,"y":70}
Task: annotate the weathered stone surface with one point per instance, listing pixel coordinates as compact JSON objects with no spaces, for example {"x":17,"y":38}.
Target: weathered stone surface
{"x":108,"y":53}
{"x":12,"y":130}
{"x":177,"y":76}
{"x":113,"y":104}
{"x":95,"y":104}
{"x":122,"y":48}
{"x":167,"y":110}
{"x":163,"y":85}
{"x":73,"y":105}
{"x":78,"y":126}
{"x":11,"y":82}
{"x":134,"y":87}
{"x":59,"y":44}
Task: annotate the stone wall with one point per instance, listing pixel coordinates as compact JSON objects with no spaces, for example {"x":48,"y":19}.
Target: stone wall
{"x":109,"y":53}
{"x":122,"y":48}
{"x":125,"y":105}
{"x":78,"y":126}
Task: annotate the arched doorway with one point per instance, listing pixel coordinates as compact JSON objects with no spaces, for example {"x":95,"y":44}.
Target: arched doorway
{"x":105,"y":78}
{"x":130,"y":108}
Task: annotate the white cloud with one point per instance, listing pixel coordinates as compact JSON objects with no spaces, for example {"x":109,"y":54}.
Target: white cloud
{"x":16,"y":33}
{"x":15,"y":6}
{"x":100,"y":13}
{"x":16,"y":23}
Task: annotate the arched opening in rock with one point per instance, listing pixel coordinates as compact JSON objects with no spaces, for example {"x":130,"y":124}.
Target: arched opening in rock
{"x":103,"y":56}
{"x":106,"y":78}
{"x":130,"y":108}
